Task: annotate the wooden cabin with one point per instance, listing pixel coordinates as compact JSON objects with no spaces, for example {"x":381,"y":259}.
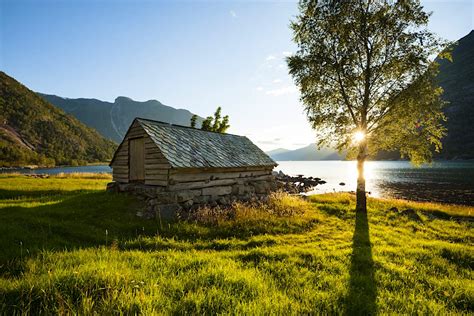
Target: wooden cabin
{"x":180,"y":158}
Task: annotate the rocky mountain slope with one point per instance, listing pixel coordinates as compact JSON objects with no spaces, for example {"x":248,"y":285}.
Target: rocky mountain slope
{"x":113,"y":119}
{"x":33,"y":131}
{"x":457,"y":80}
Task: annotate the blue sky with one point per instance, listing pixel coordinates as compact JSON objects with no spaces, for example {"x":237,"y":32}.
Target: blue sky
{"x":194,"y":55}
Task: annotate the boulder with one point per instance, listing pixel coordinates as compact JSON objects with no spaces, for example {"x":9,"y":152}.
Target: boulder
{"x":167,"y":211}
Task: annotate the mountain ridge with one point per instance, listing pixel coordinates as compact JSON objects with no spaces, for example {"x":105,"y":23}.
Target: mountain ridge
{"x":112,"y":119}
{"x":307,"y":153}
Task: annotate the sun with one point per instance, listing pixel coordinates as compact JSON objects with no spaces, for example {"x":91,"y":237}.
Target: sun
{"x":358,"y":136}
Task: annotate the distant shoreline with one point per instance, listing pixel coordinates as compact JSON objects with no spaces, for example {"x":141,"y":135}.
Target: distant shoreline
{"x":34,"y":167}
{"x":106,"y":163}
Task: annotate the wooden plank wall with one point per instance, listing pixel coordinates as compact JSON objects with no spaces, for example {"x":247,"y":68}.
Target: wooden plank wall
{"x":156,"y":166}
{"x":120,"y":163}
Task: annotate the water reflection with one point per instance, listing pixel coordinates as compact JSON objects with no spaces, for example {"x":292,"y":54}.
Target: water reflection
{"x":451,"y":182}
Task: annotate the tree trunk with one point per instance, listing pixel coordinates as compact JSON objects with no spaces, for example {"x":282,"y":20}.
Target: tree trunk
{"x":361,"y":199}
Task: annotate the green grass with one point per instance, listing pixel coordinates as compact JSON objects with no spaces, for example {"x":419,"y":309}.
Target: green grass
{"x":288,"y":257}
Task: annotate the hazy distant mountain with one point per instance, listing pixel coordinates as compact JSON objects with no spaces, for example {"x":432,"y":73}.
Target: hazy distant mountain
{"x":34,"y":132}
{"x":457,"y":80}
{"x":309,"y":152}
{"x":277,"y":151}
{"x":113,"y":119}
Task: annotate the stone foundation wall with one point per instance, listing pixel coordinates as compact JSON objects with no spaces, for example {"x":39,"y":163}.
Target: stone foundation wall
{"x":160,"y":201}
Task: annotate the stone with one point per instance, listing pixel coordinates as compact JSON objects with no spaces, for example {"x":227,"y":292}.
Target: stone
{"x":235,"y":189}
{"x":150,"y":192}
{"x":188,"y":204}
{"x":203,"y":199}
{"x":183,"y":196}
{"x":112,"y":187}
{"x":123,"y":187}
{"x":223,"y":201}
{"x":168,"y":211}
{"x":261,"y":187}
{"x":244,"y":197}
{"x":166,"y":197}
{"x":217,"y":190}
{"x":241,"y":189}
{"x":152,"y":202}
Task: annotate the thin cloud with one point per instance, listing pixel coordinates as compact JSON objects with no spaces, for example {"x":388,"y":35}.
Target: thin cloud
{"x":270,"y":57}
{"x":276,"y":81}
{"x":282,"y":91}
{"x":259,"y":88}
{"x":286,"y":54}
{"x":232,"y":13}
{"x":267,"y":142}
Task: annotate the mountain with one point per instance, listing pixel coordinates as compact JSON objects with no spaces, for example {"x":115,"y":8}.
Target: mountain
{"x":309,"y":152}
{"x":277,"y":151}
{"x":33,"y":131}
{"x":457,"y":80}
{"x":113,"y":119}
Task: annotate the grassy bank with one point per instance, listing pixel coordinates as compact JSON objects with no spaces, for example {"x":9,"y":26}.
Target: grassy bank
{"x":289,"y":257}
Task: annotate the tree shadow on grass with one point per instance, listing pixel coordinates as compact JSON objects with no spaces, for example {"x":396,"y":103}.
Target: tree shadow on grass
{"x":77,"y":219}
{"x":362,"y":295}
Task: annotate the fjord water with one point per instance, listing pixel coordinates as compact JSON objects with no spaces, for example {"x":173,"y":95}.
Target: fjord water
{"x":447,"y":181}
{"x":442,"y":181}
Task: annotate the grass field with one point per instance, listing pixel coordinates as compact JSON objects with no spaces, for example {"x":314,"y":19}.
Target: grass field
{"x":69,"y":247}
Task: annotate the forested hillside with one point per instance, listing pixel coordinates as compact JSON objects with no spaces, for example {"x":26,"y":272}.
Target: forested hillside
{"x":34,"y":132}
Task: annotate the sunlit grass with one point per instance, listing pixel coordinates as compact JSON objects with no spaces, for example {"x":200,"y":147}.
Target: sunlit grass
{"x":289,"y":256}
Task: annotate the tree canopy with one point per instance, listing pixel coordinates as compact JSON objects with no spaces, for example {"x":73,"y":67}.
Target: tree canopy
{"x":215,"y":123}
{"x":366,"y":68}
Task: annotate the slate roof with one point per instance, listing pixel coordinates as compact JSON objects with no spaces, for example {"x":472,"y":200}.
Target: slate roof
{"x":187,"y":147}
